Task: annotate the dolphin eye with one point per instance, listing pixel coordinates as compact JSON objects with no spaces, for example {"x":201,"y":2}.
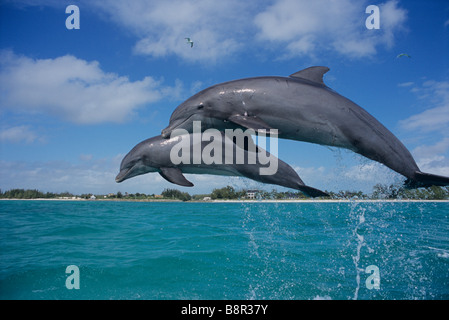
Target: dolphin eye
{"x":200,"y":107}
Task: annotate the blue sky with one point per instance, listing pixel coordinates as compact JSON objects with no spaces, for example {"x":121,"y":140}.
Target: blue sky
{"x":74,"y":102}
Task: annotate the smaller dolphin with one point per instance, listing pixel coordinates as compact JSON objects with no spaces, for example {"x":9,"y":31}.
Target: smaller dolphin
{"x":155,"y":155}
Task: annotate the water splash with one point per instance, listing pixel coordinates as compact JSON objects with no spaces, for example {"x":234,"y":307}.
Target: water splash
{"x":360,"y":215}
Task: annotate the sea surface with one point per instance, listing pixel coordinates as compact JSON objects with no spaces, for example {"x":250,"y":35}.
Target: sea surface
{"x":257,"y":250}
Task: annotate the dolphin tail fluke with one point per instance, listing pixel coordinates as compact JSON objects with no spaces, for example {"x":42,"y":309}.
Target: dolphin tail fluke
{"x":312,"y":192}
{"x":423,"y":179}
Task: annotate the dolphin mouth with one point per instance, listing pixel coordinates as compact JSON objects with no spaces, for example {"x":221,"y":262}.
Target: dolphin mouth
{"x":166,"y":133}
{"x":123,"y":175}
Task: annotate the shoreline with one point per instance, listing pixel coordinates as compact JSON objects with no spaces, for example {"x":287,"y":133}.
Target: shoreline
{"x":234,"y":201}
{"x":93,"y":200}
{"x":321,"y":200}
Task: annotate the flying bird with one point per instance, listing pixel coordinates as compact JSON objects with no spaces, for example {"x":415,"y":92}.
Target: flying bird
{"x":189,"y":41}
{"x":404,"y":55}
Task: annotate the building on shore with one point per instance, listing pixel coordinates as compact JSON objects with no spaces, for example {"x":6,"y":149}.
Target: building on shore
{"x":251,"y":194}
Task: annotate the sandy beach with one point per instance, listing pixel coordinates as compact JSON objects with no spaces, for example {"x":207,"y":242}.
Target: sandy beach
{"x":235,"y":201}
{"x":321,"y":201}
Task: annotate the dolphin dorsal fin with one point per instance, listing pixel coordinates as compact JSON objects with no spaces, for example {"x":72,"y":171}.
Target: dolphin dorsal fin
{"x":314,"y":74}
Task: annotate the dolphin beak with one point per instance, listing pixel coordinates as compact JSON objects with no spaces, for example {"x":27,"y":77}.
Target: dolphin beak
{"x":123,"y":175}
{"x":166,"y":132}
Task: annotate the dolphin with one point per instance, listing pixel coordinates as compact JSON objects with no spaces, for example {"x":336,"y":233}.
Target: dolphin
{"x":154,"y":155}
{"x":302,"y":108}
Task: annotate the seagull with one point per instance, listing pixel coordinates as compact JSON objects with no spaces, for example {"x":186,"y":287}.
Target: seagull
{"x":403,"y":55}
{"x":189,"y":41}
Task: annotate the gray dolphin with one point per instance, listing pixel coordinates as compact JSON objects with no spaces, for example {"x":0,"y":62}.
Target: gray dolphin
{"x":302,"y":108}
{"x":154,"y":155}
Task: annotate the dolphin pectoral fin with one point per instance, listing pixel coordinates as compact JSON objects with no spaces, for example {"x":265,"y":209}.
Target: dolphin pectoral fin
{"x":174,"y":175}
{"x":250,"y":122}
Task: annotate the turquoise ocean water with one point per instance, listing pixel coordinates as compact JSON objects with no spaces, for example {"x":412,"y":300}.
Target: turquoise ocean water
{"x":282,"y":251}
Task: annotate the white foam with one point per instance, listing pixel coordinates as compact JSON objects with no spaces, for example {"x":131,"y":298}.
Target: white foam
{"x":317,"y":297}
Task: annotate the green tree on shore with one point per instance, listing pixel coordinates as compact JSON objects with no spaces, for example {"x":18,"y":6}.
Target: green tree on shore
{"x":380,"y":192}
{"x":227,"y":192}
{"x":176,"y":194}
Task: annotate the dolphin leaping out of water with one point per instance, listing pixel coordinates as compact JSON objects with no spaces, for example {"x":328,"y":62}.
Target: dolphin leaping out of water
{"x":156,"y":155}
{"x":302,"y":108}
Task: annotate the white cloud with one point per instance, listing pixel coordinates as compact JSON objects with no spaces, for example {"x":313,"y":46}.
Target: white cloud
{"x":215,"y":27}
{"x":58,"y":176}
{"x":18,"y":134}
{"x":406,"y":84}
{"x":307,"y":27}
{"x":221,"y":29}
{"x":440,"y":147}
{"x":363,"y":174}
{"x":432,"y":155}
{"x":436,"y":164}
{"x":93,"y":175}
{"x":371,"y":172}
{"x":433,"y":158}
{"x":71,"y":88}
{"x":435,"y":118}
